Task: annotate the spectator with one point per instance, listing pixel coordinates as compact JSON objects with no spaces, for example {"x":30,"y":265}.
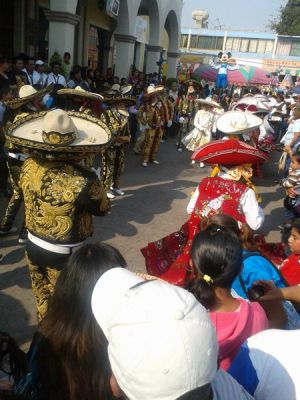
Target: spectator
{"x":216,"y":259}
{"x":40,"y":69}
{"x":55,"y":77}
{"x":256,"y":267}
{"x":76,"y":79}
{"x":32,"y":76}
{"x":292,"y":204}
{"x":290,"y":267}
{"x":68,"y":355}
{"x":161,"y":344}
{"x":90,"y":79}
{"x":4,"y":78}
{"x":6,"y":93}
{"x":17,"y":76}
{"x":67,"y":66}
{"x":267,"y":365}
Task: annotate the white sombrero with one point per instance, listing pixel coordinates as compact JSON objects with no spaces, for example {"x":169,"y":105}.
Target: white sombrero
{"x":153,"y":90}
{"x":59,"y":131}
{"x":238,"y":122}
{"x":208,"y":102}
{"x":252,"y":104}
{"x":27,"y":93}
{"x":118,"y":90}
{"x":79,"y":92}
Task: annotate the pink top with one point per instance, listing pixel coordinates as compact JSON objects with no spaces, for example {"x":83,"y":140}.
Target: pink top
{"x":233,"y":328}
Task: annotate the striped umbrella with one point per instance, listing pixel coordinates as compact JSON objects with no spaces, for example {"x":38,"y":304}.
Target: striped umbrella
{"x":245,"y":75}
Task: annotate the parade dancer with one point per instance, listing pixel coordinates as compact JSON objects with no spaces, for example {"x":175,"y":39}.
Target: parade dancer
{"x":60,"y":195}
{"x":149,"y":117}
{"x":229,"y":192}
{"x":187,"y":108}
{"x":113,"y":158}
{"x":29,"y":101}
{"x":203,"y":126}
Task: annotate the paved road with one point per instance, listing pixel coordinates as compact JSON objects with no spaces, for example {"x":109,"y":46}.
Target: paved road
{"x":154,"y":205}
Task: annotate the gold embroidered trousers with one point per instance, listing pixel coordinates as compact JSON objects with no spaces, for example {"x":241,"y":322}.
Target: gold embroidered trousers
{"x":151,"y":144}
{"x":43,"y":280}
{"x":14,"y":168}
{"x":113,"y":165}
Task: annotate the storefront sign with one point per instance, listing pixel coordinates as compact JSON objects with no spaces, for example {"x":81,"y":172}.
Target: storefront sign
{"x":141,"y":30}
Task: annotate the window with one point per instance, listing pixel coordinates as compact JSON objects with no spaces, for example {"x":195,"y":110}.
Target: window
{"x":228,"y":46}
{"x":253,"y":46}
{"x":194,"y":40}
{"x":269,"y":46}
{"x":236,"y":44}
{"x":261,"y":46}
{"x":184,"y":41}
{"x":244,"y":45}
{"x":295,"y":49}
{"x":210,"y":42}
{"x":219,"y":43}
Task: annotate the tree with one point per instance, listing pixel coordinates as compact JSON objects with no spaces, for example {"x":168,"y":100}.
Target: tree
{"x":288,"y":22}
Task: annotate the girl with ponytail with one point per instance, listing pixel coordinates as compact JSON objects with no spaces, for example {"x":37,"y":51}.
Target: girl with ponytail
{"x":216,"y":259}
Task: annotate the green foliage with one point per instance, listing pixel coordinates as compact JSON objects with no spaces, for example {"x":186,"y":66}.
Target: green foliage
{"x":58,"y":58}
{"x":288,"y":22}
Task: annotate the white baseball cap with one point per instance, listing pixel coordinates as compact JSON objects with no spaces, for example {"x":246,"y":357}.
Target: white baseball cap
{"x":161,"y":343}
{"x":39,"y":62}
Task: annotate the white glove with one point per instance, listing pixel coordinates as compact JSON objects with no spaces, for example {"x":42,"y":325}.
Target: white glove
{"x":181,"y":120}
{"x":170,"y":122}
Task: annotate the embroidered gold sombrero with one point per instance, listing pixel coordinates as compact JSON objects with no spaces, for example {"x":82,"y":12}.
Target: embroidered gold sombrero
{"x":120,"y":99}
{"x":27,"y":93}
{"x":79,"y":92}
{"x":58,"y":131}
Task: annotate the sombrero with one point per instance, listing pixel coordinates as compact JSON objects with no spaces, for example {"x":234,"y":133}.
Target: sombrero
{"x":252,"y":104}
{"x":208,"y":102}
{"x":27,"y":93}
{"x":118,"y":90}
{"x":153,"y":90}
{"x":191,"y":82}
{"x":59,"y":131}
{"x":238,"y":122}
{"x":79,"y":92}
{"x":128,"y":100}
{"x":229,"y":152}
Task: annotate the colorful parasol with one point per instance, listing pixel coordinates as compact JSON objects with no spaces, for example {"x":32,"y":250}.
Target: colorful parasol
{"x":246,"y":75}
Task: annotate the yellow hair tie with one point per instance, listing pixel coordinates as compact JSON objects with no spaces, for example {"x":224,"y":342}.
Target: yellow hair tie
{"x":207,"y":279}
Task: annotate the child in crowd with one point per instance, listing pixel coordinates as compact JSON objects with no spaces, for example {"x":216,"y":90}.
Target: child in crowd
{"x":256,"y":267}
{"x":290,"y":268}
{"x":216,"y":258}
{"x":292,"y":204}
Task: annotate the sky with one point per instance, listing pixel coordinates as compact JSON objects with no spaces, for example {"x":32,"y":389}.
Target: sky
{"x":249,"y":15}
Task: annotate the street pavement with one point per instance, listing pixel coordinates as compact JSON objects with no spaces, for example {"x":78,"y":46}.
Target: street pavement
{"x":154,"y":205}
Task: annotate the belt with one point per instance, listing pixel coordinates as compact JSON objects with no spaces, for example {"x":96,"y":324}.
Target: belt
{"x":55,"y":248}
{"x":18,"y":156}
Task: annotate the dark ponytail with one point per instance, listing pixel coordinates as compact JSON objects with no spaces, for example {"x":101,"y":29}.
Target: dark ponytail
{"x":217,"y":259}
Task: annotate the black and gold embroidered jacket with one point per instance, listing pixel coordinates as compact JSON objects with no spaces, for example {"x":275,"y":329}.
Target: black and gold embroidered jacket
{"x":60,"y":198}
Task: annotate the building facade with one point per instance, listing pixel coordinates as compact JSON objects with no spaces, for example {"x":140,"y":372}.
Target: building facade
{"x":272,"y":52}
{"x":98,"y":33}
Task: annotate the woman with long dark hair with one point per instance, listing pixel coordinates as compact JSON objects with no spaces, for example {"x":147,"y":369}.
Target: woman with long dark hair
{"x":68,"y":357}
{"x":216,"y":258}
